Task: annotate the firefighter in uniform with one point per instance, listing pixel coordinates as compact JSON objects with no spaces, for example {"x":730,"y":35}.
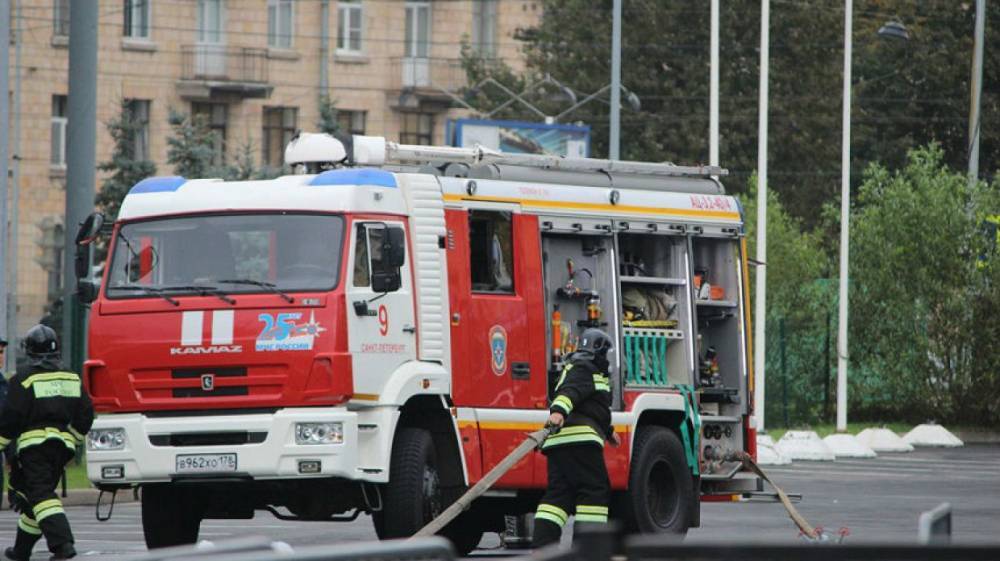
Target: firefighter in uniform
{"x":48,"y":412}
{"x":581,"y":412}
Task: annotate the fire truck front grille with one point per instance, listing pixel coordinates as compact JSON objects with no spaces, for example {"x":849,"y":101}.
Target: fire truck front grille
{"x":208,"y":378}
{"x":207,"y":438}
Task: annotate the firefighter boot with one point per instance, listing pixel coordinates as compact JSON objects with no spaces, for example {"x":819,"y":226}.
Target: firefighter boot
{"x":64,"y":551}
{"x":27,"y":535}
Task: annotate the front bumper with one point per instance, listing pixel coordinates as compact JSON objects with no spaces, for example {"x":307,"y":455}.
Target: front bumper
{"x":277,"y":456}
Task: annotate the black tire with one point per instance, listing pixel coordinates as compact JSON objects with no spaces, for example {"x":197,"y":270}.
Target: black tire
{"x":170,"y":516}
{"x":661,"y":494}
{"x":414,"y":496}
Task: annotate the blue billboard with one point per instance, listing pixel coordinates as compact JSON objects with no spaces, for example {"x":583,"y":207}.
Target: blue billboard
{"x":520,"y":137}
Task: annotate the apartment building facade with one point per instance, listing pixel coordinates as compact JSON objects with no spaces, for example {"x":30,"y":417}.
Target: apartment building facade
{"x":255,"y":68}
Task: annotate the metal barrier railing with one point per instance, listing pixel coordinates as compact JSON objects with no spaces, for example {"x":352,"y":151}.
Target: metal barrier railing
{"x":260,"y":549}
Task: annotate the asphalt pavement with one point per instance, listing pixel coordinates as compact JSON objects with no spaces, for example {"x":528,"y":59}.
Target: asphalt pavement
{"x":877,"y":500}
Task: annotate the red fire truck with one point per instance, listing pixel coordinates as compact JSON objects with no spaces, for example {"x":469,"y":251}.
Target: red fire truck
{"x":372,"y":339}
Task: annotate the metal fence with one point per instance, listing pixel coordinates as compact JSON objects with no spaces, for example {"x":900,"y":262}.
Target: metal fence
{"x":224,"y":64}
{"x":262,"y":549}
{"x":596,"y":544}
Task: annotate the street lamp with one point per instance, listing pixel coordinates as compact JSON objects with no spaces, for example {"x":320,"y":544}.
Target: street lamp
{"x":894,"y":30}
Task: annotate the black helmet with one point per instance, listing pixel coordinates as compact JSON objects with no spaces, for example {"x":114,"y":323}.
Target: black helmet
{"x":41,"y":342}
{"x":596,"y":342}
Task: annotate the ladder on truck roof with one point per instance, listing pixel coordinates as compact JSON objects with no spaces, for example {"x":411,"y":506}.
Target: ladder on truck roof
{"x":377,"y":151}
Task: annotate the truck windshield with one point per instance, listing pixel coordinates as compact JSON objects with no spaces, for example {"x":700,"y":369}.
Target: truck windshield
{"x":226,"y":254}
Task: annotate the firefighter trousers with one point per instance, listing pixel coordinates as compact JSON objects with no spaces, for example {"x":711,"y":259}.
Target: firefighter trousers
{"x":35,"y":474}
{"x":578,"y":483}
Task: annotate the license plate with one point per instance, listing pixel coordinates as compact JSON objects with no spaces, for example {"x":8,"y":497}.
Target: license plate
{"x":206,"y":463}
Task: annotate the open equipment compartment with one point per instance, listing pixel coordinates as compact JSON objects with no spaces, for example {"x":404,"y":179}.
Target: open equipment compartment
{"x":655,"y":305}
{"x":717,"y":290}
{"x":577,"y":268}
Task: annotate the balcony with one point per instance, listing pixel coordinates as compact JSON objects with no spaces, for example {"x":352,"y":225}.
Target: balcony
{"x":426,"y":80}
{"x":218,"y":72}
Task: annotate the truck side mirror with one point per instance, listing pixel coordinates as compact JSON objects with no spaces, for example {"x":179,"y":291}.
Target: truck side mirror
{"x":394,"y":248}
{"x":90,"y":228}
{"x":393,"y":256}
{"x":81,"y":263}
{"x":386,"y":281}
{"x":86,"y":290}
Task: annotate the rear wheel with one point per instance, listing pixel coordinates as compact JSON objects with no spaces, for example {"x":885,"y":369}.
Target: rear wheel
{"x":170,"y":516}
{"x":414,"y":495}
{"x":661,"y":493}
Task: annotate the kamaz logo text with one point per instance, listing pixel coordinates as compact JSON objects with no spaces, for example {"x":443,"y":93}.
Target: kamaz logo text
{"x":218,"y":349}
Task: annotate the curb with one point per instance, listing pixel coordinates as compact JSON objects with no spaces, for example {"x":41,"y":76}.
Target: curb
{"x":978,"y":437}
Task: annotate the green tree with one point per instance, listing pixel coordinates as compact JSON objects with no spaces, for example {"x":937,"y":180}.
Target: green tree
{"x":125,"y":169}
{"x":328,"y":122}
{"x":907,"y":93}
{"x":799,"y":300}
{"x":244,"y":167}
{"x":924,"y":305}
{"x":191,"y":147}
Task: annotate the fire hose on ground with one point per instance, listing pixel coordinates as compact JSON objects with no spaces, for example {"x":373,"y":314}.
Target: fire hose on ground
{"x":535,"y":439}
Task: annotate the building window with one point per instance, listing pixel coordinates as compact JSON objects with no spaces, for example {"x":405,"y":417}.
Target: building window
{"x":418,"y":29}
{"x":138,"y":110}
{"x":60,"y":18}
{"x":210,"y":21}
{"x":137,"y":19}
{"x":279,"y":127}
{"x":491,"y":251}
{"x":349,"y":26}
{"x":368,"y":252}
{"x":58,"y":154}
{"x":352,"y":122}
{"x":484,"y":27}
{"x":280,"y":24}
{"x":52,"y":243}
{"x":215,"y":115}
{"x":417,"y":128}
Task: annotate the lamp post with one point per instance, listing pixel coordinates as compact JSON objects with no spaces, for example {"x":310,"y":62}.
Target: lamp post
{"x":760,"y":310}
{"x":616,"y":80}
{"x":845,"y":206}
{"x":713,"y":89}
{"x":977,"y":91}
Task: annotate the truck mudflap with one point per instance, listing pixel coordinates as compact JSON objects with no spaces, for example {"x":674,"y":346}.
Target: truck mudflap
{"x":248,"y":446}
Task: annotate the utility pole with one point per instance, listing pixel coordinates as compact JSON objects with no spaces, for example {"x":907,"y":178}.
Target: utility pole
{"x":977,"y":91}
{"x":616,"y":80}
{"x":713,"y":90}
{"x":4,"y":177}
{"x":324,"y":48}
{"x":15,"y":177}
{"x":80,"y":161}
{"x":760,"y":309}
{"x":845,"y":217}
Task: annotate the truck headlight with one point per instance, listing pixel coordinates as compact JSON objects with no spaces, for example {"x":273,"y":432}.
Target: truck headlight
{"x":319,"y":433}
{"x":106,"y":439}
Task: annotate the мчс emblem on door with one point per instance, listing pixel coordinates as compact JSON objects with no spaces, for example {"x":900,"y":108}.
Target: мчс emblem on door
{"x":207,"y":382}
{"x":498,"y":350}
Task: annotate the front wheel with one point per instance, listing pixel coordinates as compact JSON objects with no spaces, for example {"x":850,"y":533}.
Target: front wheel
{"x":661,"y":493}
{"x":414,"y":495}
{"x":170,"y":516}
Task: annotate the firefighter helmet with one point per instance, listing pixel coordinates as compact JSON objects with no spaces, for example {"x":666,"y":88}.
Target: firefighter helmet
{"x":41,"y":342}
{"x":595,"y":341}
